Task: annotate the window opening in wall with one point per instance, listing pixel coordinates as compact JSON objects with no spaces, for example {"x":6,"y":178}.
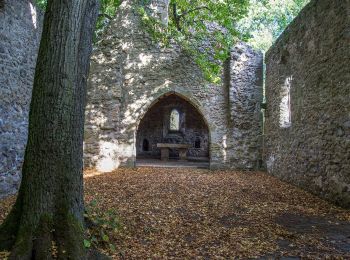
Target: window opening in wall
{"x":285,"y":105}
{"x":174,"y":120}
{"x":197,"y":143}
{"x":145,"y":145}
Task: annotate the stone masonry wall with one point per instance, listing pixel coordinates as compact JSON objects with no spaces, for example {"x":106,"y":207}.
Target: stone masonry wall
{"x":245,"y":98}
{"x":20,"y":30}
{"x":129,"y":73}
{"x":308,"y":101}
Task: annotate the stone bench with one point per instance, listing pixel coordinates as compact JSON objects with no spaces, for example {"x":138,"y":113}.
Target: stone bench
{"x":164,"y":150}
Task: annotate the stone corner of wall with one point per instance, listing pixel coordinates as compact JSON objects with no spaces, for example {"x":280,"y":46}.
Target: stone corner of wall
{"x":242,"y":47}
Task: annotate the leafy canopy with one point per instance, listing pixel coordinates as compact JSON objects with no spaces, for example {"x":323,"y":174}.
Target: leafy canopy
{"x":204,"y":28}
{"x":267,"y":19}
{"x":207,"y":29}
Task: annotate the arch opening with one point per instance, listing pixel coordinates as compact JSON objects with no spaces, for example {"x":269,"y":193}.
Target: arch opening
{"x":173,"y":120}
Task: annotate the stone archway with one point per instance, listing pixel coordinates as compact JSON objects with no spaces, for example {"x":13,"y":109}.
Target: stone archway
{"x":173,"y":119}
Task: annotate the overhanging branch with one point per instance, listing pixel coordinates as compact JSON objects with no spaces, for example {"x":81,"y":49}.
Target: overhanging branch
{"x":195,"y":9}
{"x":103,"y":15}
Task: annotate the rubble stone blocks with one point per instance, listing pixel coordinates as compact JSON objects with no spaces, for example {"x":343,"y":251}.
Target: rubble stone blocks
{"x":20,"y":31}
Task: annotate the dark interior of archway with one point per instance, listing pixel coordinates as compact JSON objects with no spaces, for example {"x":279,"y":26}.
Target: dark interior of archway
{"x":156,"y":125}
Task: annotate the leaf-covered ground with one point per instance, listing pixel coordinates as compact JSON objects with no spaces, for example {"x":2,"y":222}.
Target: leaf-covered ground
{"x":186,"y":213}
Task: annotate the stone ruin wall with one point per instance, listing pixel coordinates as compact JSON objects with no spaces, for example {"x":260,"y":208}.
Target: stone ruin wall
{"x":129,"y":73}
{"x":20,"y":30}
{"x":245,"y":98}
{"x":311,"y":60}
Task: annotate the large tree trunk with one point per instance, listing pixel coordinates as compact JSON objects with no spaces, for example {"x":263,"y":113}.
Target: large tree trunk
{"x":49,"y":209}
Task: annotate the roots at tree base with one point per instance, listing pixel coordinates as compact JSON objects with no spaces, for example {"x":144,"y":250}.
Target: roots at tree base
{"x":60,"y":234}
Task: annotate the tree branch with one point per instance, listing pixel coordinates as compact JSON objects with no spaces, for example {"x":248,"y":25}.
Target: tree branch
{"x":195,"y":9}
{"x":103,"y":15}
{"x":176,"y":17}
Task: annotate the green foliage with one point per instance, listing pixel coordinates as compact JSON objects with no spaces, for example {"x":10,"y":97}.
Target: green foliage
{"x":206,"y":29}
{"x":41,"y":3}
{"x":267,"y":19}
{"x":102,"y":226}
{"x":108,"y":9}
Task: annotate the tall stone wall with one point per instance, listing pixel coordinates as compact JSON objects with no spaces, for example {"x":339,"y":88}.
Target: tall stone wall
{"x":245,"y":99}
{"x":129,"y":73}
{"x":308,"y":101}
{"x":20,"y":30}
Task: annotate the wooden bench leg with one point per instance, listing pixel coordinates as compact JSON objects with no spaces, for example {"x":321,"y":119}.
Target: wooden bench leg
{"x":183,"y":154}
{"x":164,"y":154}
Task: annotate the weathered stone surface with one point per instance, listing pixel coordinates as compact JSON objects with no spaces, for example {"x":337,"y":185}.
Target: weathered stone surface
{"x":129,"y":73}
{"x":20,"y":30}
{"x":160,"y":10}
{"x":245,"y":98}
{"x":310,"y":146}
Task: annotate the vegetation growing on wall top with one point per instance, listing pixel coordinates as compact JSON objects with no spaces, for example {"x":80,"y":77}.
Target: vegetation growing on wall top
{"x":224,"y":22}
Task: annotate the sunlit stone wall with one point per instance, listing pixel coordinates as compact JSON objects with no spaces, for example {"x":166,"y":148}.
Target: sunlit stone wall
{"x":308,"y":101}
{"x":245,"y":97}
{"x":160,"y":10}
{"x":129,"y":73}
{"x":20,"y":29}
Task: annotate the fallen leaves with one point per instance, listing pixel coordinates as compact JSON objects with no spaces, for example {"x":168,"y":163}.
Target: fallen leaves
{"x":187,"y":213}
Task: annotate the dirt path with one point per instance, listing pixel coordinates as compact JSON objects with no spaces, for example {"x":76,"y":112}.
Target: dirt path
{"x":182,"y":214}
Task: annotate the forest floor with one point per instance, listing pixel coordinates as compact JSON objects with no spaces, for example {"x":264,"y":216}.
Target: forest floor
{"x":150,"y":213}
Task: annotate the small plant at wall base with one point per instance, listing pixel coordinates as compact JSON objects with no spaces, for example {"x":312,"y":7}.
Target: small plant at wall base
{"x":101,"y":226}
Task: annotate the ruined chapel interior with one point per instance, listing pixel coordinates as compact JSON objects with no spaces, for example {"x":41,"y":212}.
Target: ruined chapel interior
{"x":285,"y":112}
{"x":171,"y":165}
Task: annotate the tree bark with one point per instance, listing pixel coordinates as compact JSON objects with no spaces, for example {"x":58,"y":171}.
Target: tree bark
{"x":49,"y":209}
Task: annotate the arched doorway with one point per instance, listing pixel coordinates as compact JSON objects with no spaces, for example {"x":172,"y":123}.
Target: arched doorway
{"x":173,"y":120}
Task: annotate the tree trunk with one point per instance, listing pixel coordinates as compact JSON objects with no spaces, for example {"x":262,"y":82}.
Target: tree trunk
{"x":49,"y":209}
